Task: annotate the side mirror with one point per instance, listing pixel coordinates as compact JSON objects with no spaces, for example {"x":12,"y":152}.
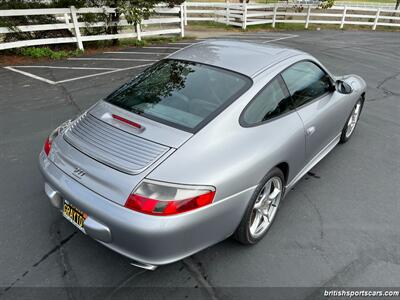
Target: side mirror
{"x":343,"y":87}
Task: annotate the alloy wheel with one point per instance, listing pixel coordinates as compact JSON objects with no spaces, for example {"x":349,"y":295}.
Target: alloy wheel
{"x":351,"y":124}
{"x":265,"y":207}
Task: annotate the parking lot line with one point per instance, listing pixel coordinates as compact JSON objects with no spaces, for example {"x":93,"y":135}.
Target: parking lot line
{"x":30,"y":75}
{"x":182,"y":43}
{"x":157,"y":47}
{"x":240,"y":37}
{"x":130,"y":52}
{"x":67,"y":68}
{"x":282,"y":38}
{"x":102,"y":73}
{"x":263,"y":38}
{"x":262,"y":34}
{"x":112,"y":59}
{"x":70,"y":79}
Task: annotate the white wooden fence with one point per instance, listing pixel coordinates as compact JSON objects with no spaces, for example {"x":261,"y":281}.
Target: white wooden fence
{"x":243,"y":15}
{"x":367,"y":4}
{"x":69,"y":20}
{"x":235,"y":14}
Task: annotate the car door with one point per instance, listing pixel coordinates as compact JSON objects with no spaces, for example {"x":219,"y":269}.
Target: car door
{"x":312,"y":95}
{"x":278,"y":127}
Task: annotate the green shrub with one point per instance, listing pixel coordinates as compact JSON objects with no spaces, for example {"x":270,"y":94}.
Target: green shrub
{"x":44,"y":52}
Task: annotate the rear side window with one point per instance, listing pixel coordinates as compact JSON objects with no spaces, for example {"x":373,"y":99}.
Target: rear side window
{"x":306,"y":82}
{"x":181,"y":94}
{"x":271,"y":102}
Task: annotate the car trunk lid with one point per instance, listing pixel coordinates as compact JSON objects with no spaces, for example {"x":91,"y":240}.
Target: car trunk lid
{"x":112,"y":146}
{"x":112,"y":155}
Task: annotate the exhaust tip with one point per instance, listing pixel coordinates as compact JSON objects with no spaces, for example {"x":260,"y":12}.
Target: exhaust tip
{"x":143,"y":266}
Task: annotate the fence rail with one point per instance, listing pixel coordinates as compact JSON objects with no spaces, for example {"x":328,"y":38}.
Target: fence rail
{"x":173,"y":20}
{"x":245,"y":14}
{"x":69,"y":19}
{"x":366,"y":4}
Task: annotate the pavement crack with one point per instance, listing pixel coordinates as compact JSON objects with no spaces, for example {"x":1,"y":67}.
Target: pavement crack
{"x":199,"y":275}
{"x":357,"y":266}
{"x":37,"y":263}
{"x":124,"y":283}
{"x":386,"y":80}
{"x":57,"y":247}
{"x":68,"y":97}
{"x":68,"y":275}
{"x":344,"y":274}
{"x":315,"y":207}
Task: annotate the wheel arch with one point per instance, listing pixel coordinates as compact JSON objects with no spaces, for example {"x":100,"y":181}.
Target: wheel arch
{"x":284,"y":167}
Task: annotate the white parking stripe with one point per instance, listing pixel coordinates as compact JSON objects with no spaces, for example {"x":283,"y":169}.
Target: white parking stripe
{"x":263,"y":35}
{"x":182,"y":43}
{"x":282,"y":38}
{"x":107,"y":58}
{"x":103,"y":73}
{"x":239,"y":37}
{"x":130,"y":52}
{"x":30,"y":75}
{"x":250,"y":37}
{"x":71,"y":79}
{"x":155,"y":47}
{"x":67,"y":68}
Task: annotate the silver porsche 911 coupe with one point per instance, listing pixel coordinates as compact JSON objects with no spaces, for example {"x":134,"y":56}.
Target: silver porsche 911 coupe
{"x":200,"y":146}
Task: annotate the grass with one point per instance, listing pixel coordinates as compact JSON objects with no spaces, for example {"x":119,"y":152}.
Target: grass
{"x":214,"y":25}
{"x":202,"y":25}
{"x":282,"y":27}
{"x":273,"y":1}
{"x":370,"y":1}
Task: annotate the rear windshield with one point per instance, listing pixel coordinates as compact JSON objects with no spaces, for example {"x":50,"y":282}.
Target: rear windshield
{"x":182,"y":94}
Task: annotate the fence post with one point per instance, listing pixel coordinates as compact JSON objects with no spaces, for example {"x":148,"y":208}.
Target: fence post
{"x":76,"y":28}
{"x":308,"y":16}
{"x":244,"y":16}
{"x":378,"y":11}
{"x":138,"y":32}
{"x":274,"y":15}
{"x":182,"y":15}
{"x":66,"y":19}
{"x":185,"y":12}
{"x":343,"y":17}
{"x":227,"y":12}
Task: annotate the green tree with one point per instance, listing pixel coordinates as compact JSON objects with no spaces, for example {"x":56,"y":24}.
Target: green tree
{"x":326,"y":3}
{"x":134,"y":10}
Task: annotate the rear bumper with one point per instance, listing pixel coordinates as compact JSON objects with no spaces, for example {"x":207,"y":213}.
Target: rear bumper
{"x":144,"y":238}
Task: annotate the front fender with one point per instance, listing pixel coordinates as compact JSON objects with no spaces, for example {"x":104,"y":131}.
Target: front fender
{"x":357,"y":83}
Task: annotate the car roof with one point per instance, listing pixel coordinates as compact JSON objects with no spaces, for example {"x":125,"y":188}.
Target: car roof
{"x":243,"y":57}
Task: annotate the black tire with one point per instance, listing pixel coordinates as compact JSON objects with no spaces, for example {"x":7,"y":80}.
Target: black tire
{"x":242,"y":233}
{"x":343,"y":137}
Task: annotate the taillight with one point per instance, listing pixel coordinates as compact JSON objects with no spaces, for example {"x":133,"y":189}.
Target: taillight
{"x":47,"y":146}
{"x":49,"y":140}
{"x":164,"y":199}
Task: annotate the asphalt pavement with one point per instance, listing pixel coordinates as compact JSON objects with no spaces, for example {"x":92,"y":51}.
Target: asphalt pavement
{"x":340,"y":227}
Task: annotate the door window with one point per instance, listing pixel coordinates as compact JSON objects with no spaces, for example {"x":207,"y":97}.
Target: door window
{"x":306,"y":82}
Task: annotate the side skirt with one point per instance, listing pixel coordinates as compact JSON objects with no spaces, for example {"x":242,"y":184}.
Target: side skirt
{"x":316,"y":159}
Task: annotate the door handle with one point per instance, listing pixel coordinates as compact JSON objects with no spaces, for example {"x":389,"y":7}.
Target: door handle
{"x":310,"y":130}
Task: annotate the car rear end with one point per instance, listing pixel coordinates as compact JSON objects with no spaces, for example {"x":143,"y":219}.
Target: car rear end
{"x":96,"y":171}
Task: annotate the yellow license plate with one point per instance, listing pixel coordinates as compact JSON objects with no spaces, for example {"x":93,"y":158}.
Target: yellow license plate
{"x":74,"y":215}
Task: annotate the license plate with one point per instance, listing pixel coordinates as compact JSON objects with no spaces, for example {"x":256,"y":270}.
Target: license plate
{"x":74,"y":215}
